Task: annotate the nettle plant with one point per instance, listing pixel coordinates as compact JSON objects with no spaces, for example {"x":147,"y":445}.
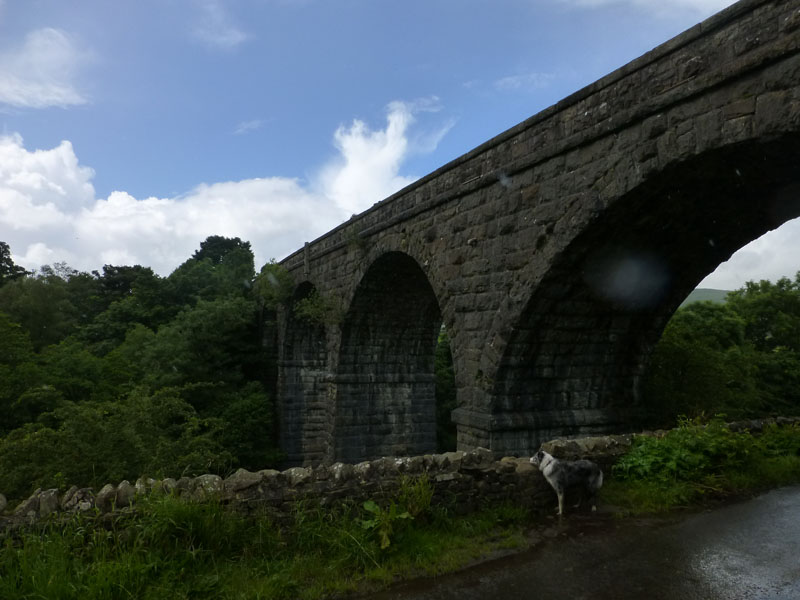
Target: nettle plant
{"x":414,"y":501}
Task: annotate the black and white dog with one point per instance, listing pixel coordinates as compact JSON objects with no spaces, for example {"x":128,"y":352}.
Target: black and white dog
{"x":564,"y":474}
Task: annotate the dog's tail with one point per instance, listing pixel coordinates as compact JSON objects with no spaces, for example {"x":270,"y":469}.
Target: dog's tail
{"x":600,"y":480}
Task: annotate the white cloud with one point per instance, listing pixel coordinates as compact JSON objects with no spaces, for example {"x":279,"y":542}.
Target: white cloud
{"x":248,"y":126}
{"x":369,"y":165}
{"x":774,"y":255}
{"x":41,"y":72}
{"x":49,"y":212}
{"x":526,"y":81}
{"x":215,"y":28}
{"x":660,"y":7}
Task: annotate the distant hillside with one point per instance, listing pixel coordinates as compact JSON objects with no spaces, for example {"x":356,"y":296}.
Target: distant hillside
{"x":701,"y":294}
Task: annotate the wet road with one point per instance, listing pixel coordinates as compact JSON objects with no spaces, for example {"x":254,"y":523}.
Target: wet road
{"x":749,"y":550}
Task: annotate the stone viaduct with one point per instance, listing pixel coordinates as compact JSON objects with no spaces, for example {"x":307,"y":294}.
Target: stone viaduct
{"x":554,"y":253}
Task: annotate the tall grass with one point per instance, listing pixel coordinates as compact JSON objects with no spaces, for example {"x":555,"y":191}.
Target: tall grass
{"x":172,"y":549}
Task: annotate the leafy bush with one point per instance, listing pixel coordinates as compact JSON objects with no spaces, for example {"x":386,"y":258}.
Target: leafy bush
{"x":689,"y":453}
{"x":694,"y":460}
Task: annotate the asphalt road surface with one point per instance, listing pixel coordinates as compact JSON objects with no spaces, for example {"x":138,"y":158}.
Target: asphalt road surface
{"x":749,"y":550}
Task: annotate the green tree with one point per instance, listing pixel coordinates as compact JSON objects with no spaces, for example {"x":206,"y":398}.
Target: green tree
{"x":42,"y":306}
{"x":248,"y":427}
{"x":741,"y":358}
{"x":111,"y":376}
{"x":216,"y":247}
{"x":214,"y":341}
{"x":702,"y":365}
{"x":156,"y":433}
{"x":78,"y":374}
{"x":18,"y":372}
{"x":221,"y":267}
{"x":128,"y":296}
{"x":8,"y":270}
{"x":771,"y":311}
{"x":85,"y":294}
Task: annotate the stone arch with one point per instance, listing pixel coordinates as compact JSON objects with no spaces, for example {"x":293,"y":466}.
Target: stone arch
{"x":575,"y":358}
{"x":385,"y":402}
{"x":304,"y":408}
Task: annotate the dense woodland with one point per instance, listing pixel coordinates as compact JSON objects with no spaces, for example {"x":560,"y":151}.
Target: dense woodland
{"x":106,"y":376}
{"x":109,"y":375}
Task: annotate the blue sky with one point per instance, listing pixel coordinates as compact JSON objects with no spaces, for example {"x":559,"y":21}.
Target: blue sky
{"x":133,"y":130}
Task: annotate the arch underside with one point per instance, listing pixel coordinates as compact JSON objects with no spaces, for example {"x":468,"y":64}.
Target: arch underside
{"x":575,"y":360}
{"x":385,"y":386}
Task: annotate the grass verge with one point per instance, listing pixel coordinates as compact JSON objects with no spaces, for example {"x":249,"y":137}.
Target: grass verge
{"x":172,"y":549}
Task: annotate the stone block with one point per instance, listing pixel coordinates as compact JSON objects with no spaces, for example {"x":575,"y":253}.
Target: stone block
{"x":125,"y":494}
{"x":106,"y":498}
{"x":206,"y":487}
{"x":297,"y":475}
{"x":240,"y":480}
{"x":48,"y":502}
{"x":168,"y":485}
{"x":78,"y":500}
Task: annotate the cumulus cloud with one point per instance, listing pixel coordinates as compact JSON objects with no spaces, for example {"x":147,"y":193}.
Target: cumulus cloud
{"x":49,"y":212}
{"x":369,"y":164}
{"x":41,"y":73}
{"x":215,"y":28}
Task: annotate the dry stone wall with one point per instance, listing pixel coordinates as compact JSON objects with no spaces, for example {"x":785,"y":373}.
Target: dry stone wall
{"x":463,"y":481}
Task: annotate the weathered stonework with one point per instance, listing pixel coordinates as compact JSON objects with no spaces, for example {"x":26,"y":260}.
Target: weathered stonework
{"x":554,"y":253}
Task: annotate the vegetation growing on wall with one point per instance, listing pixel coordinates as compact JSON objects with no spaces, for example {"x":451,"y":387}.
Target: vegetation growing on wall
{"x":274,"y":285}
{"x":445,"y":395}
{"x":318,"y":309}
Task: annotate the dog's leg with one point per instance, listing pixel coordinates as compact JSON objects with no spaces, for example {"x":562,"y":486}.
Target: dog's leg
{"x":560,"y":494}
